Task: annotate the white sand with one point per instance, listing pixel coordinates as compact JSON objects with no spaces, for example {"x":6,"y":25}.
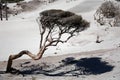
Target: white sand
{"x":21,"y":32}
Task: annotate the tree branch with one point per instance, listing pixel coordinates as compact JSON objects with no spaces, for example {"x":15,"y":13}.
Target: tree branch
{"x":42,"y":31}
{"x":24,"y":52}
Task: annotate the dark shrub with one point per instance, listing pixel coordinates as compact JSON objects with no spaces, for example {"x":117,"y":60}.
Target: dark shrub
{"x":109,"y":9}
{"x":63,"y":18}
{"x":107,"y":13}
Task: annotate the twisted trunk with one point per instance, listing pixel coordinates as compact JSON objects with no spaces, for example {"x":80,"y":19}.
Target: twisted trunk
{"x":24,"y":52}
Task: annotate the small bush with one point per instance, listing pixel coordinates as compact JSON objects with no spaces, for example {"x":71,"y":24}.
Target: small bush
{"x":31,"y":5}
{"x":109,"y":9}
{"x":107,"y":13}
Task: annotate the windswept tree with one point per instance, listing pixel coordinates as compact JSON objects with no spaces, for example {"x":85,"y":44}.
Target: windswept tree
{"x":53,"y":26}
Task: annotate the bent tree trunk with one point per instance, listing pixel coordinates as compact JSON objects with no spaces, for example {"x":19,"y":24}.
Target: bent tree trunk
{"x":52,"y":30}
{"x":24,"y":52}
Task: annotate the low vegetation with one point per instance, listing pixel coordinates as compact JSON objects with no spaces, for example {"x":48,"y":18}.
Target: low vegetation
{"x":108,"y":13}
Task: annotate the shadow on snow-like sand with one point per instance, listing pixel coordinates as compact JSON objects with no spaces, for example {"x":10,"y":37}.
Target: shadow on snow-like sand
{"x":70,"y":67}
{"x":67,"y":67}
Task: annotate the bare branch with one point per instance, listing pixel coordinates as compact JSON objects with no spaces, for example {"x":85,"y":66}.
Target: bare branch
{"x":42,"y":30}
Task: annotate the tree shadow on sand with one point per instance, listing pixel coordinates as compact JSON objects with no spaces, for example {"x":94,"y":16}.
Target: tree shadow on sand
{"x":71,"y":67}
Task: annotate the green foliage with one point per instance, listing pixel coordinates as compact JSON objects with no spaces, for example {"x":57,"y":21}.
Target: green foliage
{"x":63,"y":19}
